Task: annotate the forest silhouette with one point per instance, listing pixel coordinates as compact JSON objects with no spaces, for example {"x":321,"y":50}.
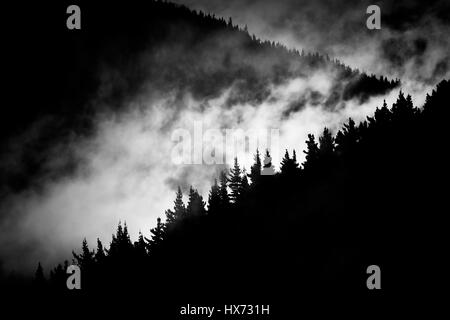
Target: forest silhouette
{"x":366,"y":195}
{"x":370,"y":194}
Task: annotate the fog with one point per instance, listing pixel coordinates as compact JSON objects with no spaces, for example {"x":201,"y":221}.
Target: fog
{"x":124,"y":170}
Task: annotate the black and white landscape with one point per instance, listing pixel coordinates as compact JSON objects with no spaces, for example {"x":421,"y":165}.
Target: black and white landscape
{"x":90,"y":174}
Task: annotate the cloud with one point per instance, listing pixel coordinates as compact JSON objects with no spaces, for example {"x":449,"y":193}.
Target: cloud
{"x":413,"y":43}
{"x":121,"y":170}
{"x":125,"y":172}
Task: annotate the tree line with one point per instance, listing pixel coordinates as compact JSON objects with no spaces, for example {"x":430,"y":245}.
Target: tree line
{"x":365,"y":194}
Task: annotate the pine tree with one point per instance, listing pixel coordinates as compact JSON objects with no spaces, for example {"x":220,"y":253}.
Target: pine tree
{"x":86,"y":258}
{"x":115,"y":243}
{"x":196,"y":205}
{"x":179,"y":210}
{"x":235,"y":181}
{"x":289,"y":165}
{"x":121,"y":243}
{"x":39,"y":278}
{"x":224,"y":197}
{"x":255,"y":170}
{"x":382,"y":117}
{"x":140,"y":246}
{"x":112,"y":247}
{"x":347,"y":137}
{"x":285,"y":163}
{"x":312,"y":152}
{"x":58,"y":276}
{"x":326,"y":143}
{"x":294,"y":160}
{"x":214,"y":199}
{"x":244,"y":188}
{"x":100,"y":254}
{"x":157,"y":235}
{"x":403,"y":109}
{"x":126,"y":246}
{"x":126,"y":236}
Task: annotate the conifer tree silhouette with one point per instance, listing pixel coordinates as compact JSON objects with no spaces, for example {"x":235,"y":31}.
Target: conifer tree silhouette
{"x":179,"y":210}
{"x":347,"y":137}
{"x":244,"y":188}
{"x":58,"y":276}
{"x":121,"y":245}
{"x":157,"y":236}
{"x":312,"y":153}
{"x":326,"y":143}
{"x":383,"y":115}
{"x":86,"y":262}
{"x":86,"y":259}
{"x":214,"y":200}
{"x":235,"y":181}
{"x":39,"y":278}
{"x":403,"y":109}
{"x":140,"y":246}
{"x":289,"y":166}
{"x":369,"y":160}
{"x":224,"y":197}
{"x":255,"y":170}
{"x":285,"y":162}
{"x":196,"y":205}
{"x":100,"y":253}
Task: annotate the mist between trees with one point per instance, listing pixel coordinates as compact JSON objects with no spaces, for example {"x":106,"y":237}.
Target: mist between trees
{"x":308,"y":226}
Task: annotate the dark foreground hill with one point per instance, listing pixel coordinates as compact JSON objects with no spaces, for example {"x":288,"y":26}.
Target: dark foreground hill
{"x":370,"y":195}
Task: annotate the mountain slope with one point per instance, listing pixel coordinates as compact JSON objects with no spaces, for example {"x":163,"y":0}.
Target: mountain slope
{"x":363,"y":197}
{"x":61,"y":78}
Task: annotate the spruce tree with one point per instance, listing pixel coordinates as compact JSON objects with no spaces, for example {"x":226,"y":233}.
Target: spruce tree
{"x":100,"y":253}
{"x":244,"y":187}
{"x":382,"y":117}
{"x":214,"y":199}
{"x":224,"y":197}
{"x":255,"y":170}
{"x":121,"y":243}
{"x":312,"y":152}
{"x":140,"y":246}
{"x":235,"y":181}
{"x":86,"y":258}
{"x":326,"y":143}
{"x":295,"y":163}
{"x":196,"y":205}
{"x":125,"y":242}
{"x":157,"y":235}
{"x":58,"y":276}
{"x":285,"y":166}
{"x":289,"y":165}
{"x":403,"y":109}
{"x":39,"y":278}
{"x":347,"y":137}
{"x":179,"y":210}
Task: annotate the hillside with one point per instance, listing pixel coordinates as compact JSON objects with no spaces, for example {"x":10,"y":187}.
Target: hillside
{"x":368,"y":195}
{"x":63,"y":78}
